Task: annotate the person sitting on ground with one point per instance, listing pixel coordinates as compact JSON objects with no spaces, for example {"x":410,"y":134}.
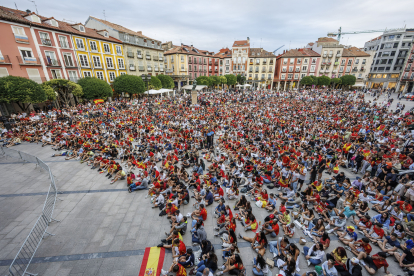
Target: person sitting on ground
{"x":360,"y":248}
{"x":260,"y":266}
{"x":258,"y":243}
{"x":348,"y":236}
{"x":338,"y":222}
{"x":314,"y":255}
{"x":364,"y":223}
{"x":392,"y":240}
{"x":374,"y":263}
{"x":233,"y":265}
{"x":376,"y":234}
{"x":289,"y":230}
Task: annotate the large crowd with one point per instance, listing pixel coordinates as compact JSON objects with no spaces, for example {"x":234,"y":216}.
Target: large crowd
{"x":284,"y":152}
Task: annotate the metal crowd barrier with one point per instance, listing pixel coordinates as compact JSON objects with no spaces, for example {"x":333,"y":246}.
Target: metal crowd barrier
{"x":27,"y":251}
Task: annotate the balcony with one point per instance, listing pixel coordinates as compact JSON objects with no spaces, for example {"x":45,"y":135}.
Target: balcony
{"x":269,"y":78}
{"x":161,"y":69}
{"x":251,"y":63}
{"x":210,"y":63}
{"x":148,"y":57}
{"x":29,"y":61}
{"x":325,"y":55}
{"x":190,"y":61}
{"x":195,"y":61}
{"x":330,"y":55}
{"x":362,"y":69}
{"x":183,"y":70}
{"x":321,"y":71}
{"x":410,"y":60}
{"x":64,"y":44}
{"x":338,"y":55}
{"x":216,"y":64}
{"x":264,"y":62}
{"x":205,"y":71}
{"x":169,"y":70}
{"x":156,"y":69}
{"x":328,"y":64}
{"x":205,"y":62}
{"x":46,"y":42}
{"x":323,"y":63}
{"x":141,"y":68}
{"x":334,"y":71}
{"x":5,"y":60}
{"x":130,"y":54}
{"x":149,"y":69}
{"x":215,"y":71}
{"x":52,"y":62}
{"x":139,"y":56}
{"x":160,"y":59}
{"x":407,"y":69}
{"x":271,"y":63}
{"x":131,"y":68}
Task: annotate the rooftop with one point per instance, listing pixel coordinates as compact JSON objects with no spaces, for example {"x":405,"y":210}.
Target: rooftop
{"x":259,"y":52}
{"x":354,"y":52}
{"x":241,"y":43}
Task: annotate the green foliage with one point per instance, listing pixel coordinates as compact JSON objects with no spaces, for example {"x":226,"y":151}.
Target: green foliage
{"x":94,"y":88}
{"x":50,"y":93}
{"x":128,"y":84}
{"x":315,"y":80}
{"x":64,"y":88}
{"x":214,"y":80}
{"x":166,"y":81}
{"x":231,"y":79}
{"x":223,"y":79}
{"x":203,"y":80}
{"x":20,"y":90}
{"x":336,"y":81}
{"x":238,"y":77}
{"x":155,"y":83}
{"x":348,"y":80}
{"x":324,"y":80}
{"x":307,"y":80}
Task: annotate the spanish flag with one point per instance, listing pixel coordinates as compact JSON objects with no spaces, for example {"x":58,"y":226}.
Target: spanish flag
{"x":381,"y":127}
{"x":152,"y":262}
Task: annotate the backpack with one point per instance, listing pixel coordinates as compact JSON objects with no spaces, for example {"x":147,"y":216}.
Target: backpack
{"x":243,"y":190}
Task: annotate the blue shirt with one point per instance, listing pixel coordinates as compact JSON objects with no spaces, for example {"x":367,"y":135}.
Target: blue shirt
{"x":209,"y":198}
{"x":352,"y":234}
{"x":272,"y":202}
{"x":348,"y":212}
{"x":410,"y":244}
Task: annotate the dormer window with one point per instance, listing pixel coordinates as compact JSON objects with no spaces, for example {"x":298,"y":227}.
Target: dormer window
{"x":81,"y":28}
{"x":106,"y":34}
{"x":103,"y":33}
{"x":33,"y":18}
{"x":52,"y":22}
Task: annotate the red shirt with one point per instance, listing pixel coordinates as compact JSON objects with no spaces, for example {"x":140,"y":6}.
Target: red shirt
{"x":181,"y":248}
{"x":203,"y":214}
{"x":407,"y":208}
{"x":366,"y":247}
{"x":276,"y":228}
{"x":379,"y":231}
{"x":379,"y":263}
{"x":181,"y":271}
{"x":282,"y":209}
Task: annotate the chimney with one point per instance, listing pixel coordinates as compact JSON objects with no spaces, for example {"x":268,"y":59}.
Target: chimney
{"x":28,"y":11}
{"x":139,"y":32}
{"x":248,"y":39}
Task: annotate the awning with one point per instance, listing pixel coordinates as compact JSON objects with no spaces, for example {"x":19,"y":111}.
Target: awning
{"x":153,"y":92}
{"x":190,"y":87}
{"x":358,"y":85}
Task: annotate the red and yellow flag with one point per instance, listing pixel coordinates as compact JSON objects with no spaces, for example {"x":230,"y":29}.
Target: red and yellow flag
{"x":152,"y":262}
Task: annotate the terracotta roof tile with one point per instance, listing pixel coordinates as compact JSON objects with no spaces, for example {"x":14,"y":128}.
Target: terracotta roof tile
{"x":122,"y":29}
{"x":354,"y":52}
{"x":223,"y":53}
{"x":19,"y":16}
{"x":327,"y":39}
{"x":185,"y":49}
{"x":241,"y":43}
{"x":303,"y":52}
{"x":259,"y":52}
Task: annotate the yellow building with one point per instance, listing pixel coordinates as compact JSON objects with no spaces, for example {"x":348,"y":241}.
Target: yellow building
{"x":98,"y":54}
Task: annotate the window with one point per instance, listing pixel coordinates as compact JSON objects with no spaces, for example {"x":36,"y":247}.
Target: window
{"x":290,"y":68}
{"x":87,"y":74}
{"x":290,"y":76}
{"x":55,"y":74}
{"x":283,"y":76}
{"x":312,"y":68}
{"x":81,"y":28}
{"x":93,"y":46}
{"x":357,"y":61}
{"x":34,"y":75}
{"x":73,"y":76}
{"x":285,"y":61}
{"x":83,"y":61}
{"x":305,"y":61}
{"x":3,"y":72}
{"x":63,"y":42}
{"x":79,"y":43}
{"x":349,"y":62}
{"x":291,"y":61}
{"x":109,"y":62}
{"x":67,"y":57}
{"x":364,"y":61}
{"x":343,"y":62}
{"x":111,"y":76}
{"x":99,"y":75}
{"x":314,"y":61}
{"x":106,"y":48}
{"x":121,"y":63}
{"x":297,"y":69}
{"x":44,"y":39}
{"x":96,"y":62}
{"x":298,"y":61}
{"x":304,"y":68}
{"x":302,"y":76}
{"x":26,"y":54}
{"x":18,"y":31}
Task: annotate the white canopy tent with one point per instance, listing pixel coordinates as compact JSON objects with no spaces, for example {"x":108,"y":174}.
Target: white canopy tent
{"x":190,"y":87}
{"x":160,"y":91}
{"x":244,"y":85}
{"x":358,"y":85}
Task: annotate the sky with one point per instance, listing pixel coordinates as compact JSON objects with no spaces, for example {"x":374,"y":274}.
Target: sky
{"x":214,"y":24}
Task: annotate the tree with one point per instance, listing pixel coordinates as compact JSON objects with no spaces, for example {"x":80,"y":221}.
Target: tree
{"x":324,"y":80}
{"x":214,"y":80}
{"x":231,"y":79}
{"x":94,"y":88}
{"x":64,"y":90}
{"x":242,"y":80}
{"x":128,"y":84}
{"x":223,"y":80}
{"x":315,"y":80}
{"x":238,"y":78}
{"x":203,"y":80}
{"x":166,"y":81}
{"x":307,"y":81}
{"x":50,"y":93}
{"x":335,"y":82}
{"x":155,"y":83}
{"x":21,"y":91}
{"x":348,"y":80}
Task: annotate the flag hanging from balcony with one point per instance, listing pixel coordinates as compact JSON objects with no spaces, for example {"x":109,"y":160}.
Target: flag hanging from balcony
{"x":97,"y":101}
{"x":152,"y":262}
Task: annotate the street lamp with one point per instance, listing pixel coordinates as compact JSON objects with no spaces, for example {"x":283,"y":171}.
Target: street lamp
{"x":146,"y":79}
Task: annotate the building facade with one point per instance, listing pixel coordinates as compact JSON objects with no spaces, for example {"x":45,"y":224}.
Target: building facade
{"x":143,"y":54}
{"x":240,"y":57}
{"x":43,"y":48}
{"x":224,"y":60}
{"x":392,"y":49}
{"x":407,"y":76}
{"x":291,"y":66}
{"x":260,"y":68}
{"x":176,"y":63}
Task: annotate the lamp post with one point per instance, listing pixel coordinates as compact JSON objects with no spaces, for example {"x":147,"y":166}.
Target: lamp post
{"x":146,"y":79}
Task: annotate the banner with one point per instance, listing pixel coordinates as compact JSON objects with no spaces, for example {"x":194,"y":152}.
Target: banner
{"x":152,"y":262}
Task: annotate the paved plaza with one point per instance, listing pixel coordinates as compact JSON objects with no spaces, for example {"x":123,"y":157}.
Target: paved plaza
{"x":103,"y":229}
